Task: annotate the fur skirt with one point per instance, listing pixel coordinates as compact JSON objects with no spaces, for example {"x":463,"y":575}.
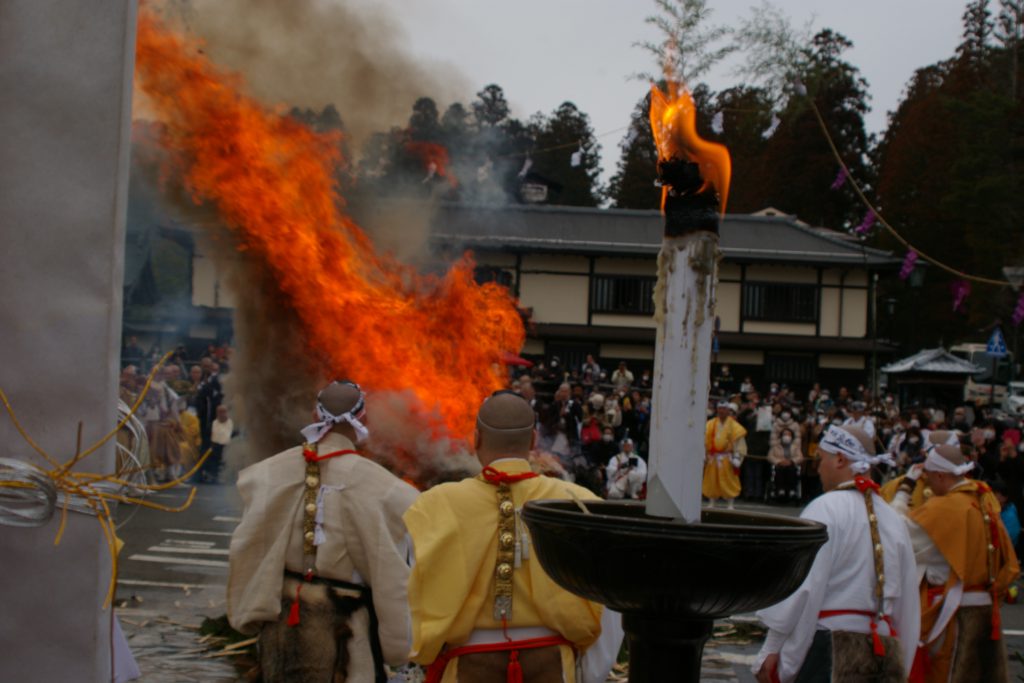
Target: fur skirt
{"x":845,"y":657}
{"x":316,"y":650}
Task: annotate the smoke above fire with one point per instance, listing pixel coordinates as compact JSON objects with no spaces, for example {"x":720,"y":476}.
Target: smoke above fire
{"x":437,"y":341}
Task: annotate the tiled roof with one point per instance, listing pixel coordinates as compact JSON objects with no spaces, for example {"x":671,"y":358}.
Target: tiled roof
{"x":744,"y":237}
{"x":938,"y":361}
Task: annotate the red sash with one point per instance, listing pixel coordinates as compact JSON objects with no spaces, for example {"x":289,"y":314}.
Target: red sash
{"x":514,"y":673}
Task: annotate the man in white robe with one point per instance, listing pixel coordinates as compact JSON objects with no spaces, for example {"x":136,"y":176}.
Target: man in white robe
{"x":828,"y":627}
{"x":318,"y":564}
{"x":627,"y":473}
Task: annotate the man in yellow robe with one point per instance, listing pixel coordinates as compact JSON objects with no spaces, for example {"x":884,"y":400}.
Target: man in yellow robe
{"x":483,"y":608}
{"x":966,"y":562}
{"x":724,"y":448}
{"x":920,"y":492}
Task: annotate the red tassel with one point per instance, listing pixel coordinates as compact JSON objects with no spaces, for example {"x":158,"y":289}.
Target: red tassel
{"x":922,"y":664}
{"x":876,"y":640}
{"x":997,"y":619}
{"x":293,"y":613}
{"x":515,"y":669}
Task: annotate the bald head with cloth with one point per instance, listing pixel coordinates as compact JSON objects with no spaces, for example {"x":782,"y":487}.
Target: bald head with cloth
{"x":504,"y":428}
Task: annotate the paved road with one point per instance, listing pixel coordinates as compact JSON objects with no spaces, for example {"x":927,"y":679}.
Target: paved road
{"x":177,"y":564}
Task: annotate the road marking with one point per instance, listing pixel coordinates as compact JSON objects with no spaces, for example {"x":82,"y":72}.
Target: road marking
{"x":188,"y":551}
{"x":235,"y":520}
{"x":179,"y":560}
{"x":186,"y":543}
{"x":196,"y":533}
{"x":1012,"y":632}
{"x":164,"y":584}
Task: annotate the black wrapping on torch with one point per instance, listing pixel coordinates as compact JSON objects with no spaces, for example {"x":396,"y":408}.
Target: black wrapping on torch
{"x":686,"y":209}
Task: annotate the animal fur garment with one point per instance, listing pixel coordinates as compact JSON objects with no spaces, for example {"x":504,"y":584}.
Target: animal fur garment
{"x":976,"y":657}
{"x":844,"y":657}
{"x":316,"y":650}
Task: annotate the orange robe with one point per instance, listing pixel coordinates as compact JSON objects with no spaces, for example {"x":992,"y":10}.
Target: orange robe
{"x":955,"y":525}
{"x":721,"y":479}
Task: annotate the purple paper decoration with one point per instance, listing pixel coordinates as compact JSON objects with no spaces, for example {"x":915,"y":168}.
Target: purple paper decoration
{"x":1018,"y":312}
{"x":909,"y":262}
{"x":961,"y":290}
{"x":840,"y":179}
{"x":866,"y":224}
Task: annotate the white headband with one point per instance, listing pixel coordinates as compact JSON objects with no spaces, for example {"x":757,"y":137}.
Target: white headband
{"x":936,"y":462}
{"x":318,"y":430}
{"x":839,"y":441}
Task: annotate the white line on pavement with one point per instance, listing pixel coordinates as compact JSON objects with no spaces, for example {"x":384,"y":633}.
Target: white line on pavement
{"x":163,"y":584}
{"x":186,"y":543}
{"x":192,"y":532}
{"x":188,"y":551}
{"x":235,"y":520}
{"x":179,"y":560}
{"x":1012,"y":632}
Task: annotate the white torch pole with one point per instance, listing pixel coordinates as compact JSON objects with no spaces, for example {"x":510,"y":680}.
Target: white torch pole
{"x":685,"y":312}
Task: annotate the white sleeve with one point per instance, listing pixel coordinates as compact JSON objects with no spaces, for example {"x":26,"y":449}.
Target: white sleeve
{"x":796,"y":618}
{"x":930,"y":562}
{"x":907,"y":613}
{"x":596,"y":663}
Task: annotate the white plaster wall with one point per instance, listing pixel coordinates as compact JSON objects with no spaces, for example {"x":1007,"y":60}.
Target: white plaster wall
{"x":727,"y":305}
{"x":829,"y":317}
{"x":740,"y":357}
{"x":555,"y":298}
{"x":65,"y":76}
{"x":804,"y":329}
{"x":855,"y":313}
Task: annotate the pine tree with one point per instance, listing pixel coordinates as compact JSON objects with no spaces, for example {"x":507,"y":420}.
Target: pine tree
{"x":632,"y":186}
{"x":567,"y":132}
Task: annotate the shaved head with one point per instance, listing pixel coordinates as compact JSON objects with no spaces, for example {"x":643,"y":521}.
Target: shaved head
{"x":504,"y":428}
{"x":338,"y":398}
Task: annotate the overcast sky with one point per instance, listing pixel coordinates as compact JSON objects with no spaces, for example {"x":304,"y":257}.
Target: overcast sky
{"x":543,"y":52}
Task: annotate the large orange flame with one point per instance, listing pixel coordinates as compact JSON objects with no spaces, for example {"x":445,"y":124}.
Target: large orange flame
{"x":272,"y":181}
{"x":674,"y":124}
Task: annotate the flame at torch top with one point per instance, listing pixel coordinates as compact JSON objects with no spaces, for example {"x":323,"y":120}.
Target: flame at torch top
{"x":674,"y":124}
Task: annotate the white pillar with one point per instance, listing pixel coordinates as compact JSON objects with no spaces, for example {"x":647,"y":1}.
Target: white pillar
{"x":65,"y":77}
{"x":685,"y":313}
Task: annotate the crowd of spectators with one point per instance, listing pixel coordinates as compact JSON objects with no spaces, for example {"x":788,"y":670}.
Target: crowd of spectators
{"x":596,"y":423}
{"x":183,"y":411}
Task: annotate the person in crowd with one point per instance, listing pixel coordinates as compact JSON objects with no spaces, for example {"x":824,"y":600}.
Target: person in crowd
{"x":483,"y":609}
{"x":590,"y":434}
{"x":856,"y":615}
{"x":605,"y":449}
{"x":968,"y":562}
{"x":756,"y":418}
{"x":132,"y":353}
{"x":1010,"y":468}
{"x":318,"y":565}
{"x":208,"y":397}
{"x":724,"y":448}
{"x":646,"y":383}
{"x":551,"y":436}
{"x":590,"y":372}
{"x":626,"y":473}
{"x":859,"y":419}
{"x":188,"y":434}
{"x":786,"y":458}
{"x":747,"y":386}
{"x":195,"y":378}
{"x":810,"y":481}
{"x":918,"y":486}
{"x":622,"y":378}
{"x":784,"y":421}
{"x":220,"y":436}
{"x":960,"y":421}
{"x":163,"y":428}
{"x":813,"y":394}
{"x":1007,"y":513}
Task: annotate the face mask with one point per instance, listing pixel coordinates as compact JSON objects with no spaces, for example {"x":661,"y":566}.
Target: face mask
{"x":989,"y":435}
{"x":837,"y":423}
{"x":786,"y":416}
{"x":913,"y":439}
{"x":606,"y":437}
{"x":887,"y":431}
{"x":914,"y":423}
{"x":898,"y":429}
{"x":787,"y":440}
